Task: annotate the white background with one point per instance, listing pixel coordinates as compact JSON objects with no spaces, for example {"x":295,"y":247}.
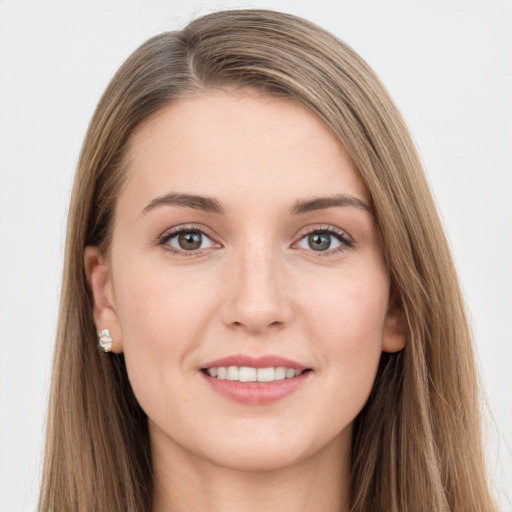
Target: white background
{"x":447,"y":63}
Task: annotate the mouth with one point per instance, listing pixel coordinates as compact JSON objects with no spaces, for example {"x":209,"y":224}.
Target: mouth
{"x":251,"y":374}
{"x":255,"y":380}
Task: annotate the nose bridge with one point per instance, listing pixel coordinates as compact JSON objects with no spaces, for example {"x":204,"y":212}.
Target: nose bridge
{"x":257,"y":299}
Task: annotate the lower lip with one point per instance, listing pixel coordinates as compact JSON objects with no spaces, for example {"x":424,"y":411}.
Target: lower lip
{"x":256,"y":393}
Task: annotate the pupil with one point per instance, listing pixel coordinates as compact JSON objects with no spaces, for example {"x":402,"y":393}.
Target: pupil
{"x":190,"y":241}
{"x":319,"y":241}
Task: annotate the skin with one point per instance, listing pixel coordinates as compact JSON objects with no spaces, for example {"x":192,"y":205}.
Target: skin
{"x":256,"y":286}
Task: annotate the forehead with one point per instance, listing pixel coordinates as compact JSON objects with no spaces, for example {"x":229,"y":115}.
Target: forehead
{"x":233,"y":145}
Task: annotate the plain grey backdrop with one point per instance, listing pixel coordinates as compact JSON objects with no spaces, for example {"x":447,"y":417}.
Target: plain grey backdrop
{"x":448,"y":65}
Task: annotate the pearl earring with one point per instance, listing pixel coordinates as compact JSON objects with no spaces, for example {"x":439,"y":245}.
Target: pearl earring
{"x":105,"y":340}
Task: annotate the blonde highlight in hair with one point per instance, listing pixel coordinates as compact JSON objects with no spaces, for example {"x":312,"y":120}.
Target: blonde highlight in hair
{"x":417,"y":442}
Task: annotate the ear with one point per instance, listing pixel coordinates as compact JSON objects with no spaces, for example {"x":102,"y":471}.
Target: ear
{"x":104,"y":306}
{"x":394,"y":332}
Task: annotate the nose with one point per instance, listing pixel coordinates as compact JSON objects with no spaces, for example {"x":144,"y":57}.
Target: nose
{"x":257,"y":296}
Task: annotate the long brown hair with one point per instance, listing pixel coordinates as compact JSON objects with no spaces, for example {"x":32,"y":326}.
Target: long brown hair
{"x":417,"y":442}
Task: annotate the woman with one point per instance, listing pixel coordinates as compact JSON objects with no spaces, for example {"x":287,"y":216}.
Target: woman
{"x":252,"y":240}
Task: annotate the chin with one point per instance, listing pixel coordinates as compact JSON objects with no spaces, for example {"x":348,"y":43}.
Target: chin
{"x":271,"y":452}
{"x":259,"y":459}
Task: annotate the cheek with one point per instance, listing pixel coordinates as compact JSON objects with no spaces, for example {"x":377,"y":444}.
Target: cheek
{"x":347,"y":321}
{"x":158,"y":308}
{"x":351,"y":310}
{"x":162,"y":317}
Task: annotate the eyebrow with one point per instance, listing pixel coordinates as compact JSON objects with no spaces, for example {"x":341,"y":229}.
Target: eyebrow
{"x":211,"y":205}
{"x":322,"y":203}
{"x":206,"y":204}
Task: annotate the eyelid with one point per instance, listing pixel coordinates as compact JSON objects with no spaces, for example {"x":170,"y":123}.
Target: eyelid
{"x":185,"y":228}
{"x":346,"y":240}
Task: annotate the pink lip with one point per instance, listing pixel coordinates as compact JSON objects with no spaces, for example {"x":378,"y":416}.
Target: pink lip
{"x":256,"y":362}
{"x":256,"y":393}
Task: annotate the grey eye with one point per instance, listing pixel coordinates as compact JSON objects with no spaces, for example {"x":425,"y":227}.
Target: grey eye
{"x":319,"y":241}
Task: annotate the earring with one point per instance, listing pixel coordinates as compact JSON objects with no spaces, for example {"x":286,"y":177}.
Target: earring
{"x":105,"y":340}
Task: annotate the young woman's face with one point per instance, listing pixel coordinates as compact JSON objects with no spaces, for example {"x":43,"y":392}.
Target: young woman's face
{"x":243,"y":238}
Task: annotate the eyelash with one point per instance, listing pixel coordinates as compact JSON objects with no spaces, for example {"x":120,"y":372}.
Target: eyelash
{"x":164,"y":239}
{"x":345,"y":241}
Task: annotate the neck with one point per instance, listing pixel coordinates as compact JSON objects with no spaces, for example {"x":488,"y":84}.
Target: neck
{"x":187,"y":484}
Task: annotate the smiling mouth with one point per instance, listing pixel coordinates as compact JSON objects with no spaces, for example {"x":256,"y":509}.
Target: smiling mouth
{"x":250,"y":374}
{"x":255,"y":381}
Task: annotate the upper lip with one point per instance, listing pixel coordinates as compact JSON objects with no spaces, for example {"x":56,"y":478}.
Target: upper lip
{"x":265,"y":361}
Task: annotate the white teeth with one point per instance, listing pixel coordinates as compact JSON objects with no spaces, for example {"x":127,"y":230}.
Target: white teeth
{"x":265,"y":374}
{"x":249,"y":374}
{"x":232,"y":373}
{"x":280,"y":373}
{"x":246,"y":374}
